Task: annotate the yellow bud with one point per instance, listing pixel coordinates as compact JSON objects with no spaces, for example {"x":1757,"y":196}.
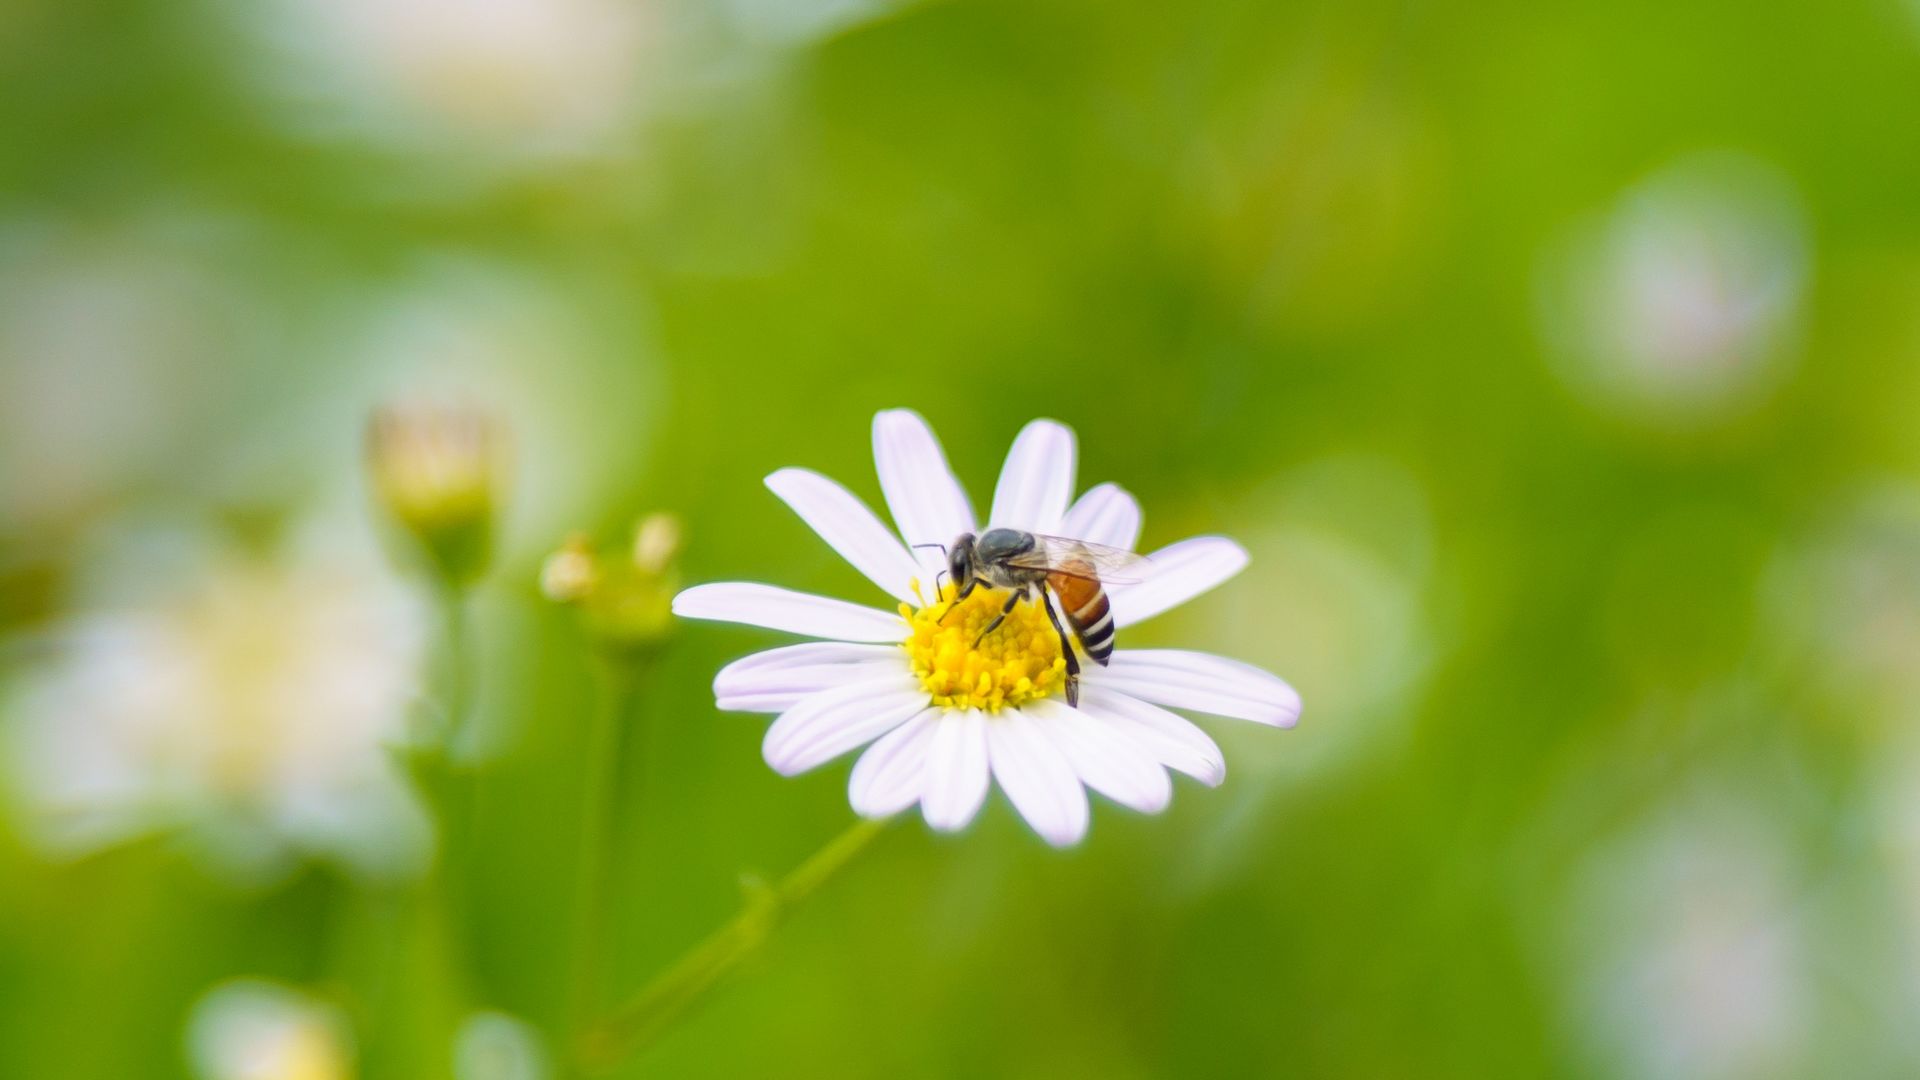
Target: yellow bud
{"x":435,"y":471}
{"x":625,"y":597}
{"x":571,"y":574}
{"x":656,"y":540}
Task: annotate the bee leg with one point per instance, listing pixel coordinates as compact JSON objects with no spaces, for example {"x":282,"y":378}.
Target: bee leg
{"x":1066,"y":651}
{"x":961,"y":595}
{"x":1000,"y":618}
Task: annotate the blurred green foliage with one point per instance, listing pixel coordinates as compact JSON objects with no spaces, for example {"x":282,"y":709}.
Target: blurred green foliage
{"x":1278,"y":266}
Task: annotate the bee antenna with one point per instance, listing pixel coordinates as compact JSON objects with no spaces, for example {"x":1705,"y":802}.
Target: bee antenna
{"x":942,"y":547}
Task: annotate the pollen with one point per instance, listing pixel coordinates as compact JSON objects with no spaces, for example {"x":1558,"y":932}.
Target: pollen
{"x":1017,"y":663}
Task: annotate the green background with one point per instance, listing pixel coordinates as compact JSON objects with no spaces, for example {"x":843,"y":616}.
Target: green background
{"x":1278,"y":265}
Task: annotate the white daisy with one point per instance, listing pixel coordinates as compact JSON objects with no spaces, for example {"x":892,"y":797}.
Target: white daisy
{"x":1690,"y":947}
{"x":495,"y":1046}
{"x":242,"y":700}
{"x":252,"y":1029}
{"x":499,"y":82}
{"x":1682,"y":304}
{"x":944,"y":714}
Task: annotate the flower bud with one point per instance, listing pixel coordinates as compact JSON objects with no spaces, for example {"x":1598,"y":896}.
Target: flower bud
{"x":624,"y":595}
{"x":435,"y":471}
{"x":656,"y":541}
{"x":571,"y":574}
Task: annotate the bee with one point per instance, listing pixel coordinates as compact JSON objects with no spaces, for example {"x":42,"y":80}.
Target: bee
{"x":1033,"y":564}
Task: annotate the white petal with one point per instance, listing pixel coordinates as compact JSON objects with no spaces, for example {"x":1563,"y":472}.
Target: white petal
{"x":851,"y":529}
{"x":832,"y":722}
{"x":777,"y":679}
{"x":1037,"y":479}
{"x":956,"y":771}
{"x":1104,"y":756}
{"x":783,"y":609}
{"x":1107,"y":514}
{"x":1170,"y":738}
{"x":1176,"y":574}
{"x":1037,"y":778}
{"x":927,"y":503}
{"x":1202,"y":682}
{"x":889,"y":777}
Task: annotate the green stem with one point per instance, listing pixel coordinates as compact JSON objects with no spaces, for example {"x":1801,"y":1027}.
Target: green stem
{"x":419,"y":976}
{"x":457,"y":673}
{"x":600,"y":837}
{"x":631,"y":1026}
{"x":456,"y":800}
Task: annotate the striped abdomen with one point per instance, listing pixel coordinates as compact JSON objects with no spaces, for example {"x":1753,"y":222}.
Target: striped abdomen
{"x":1084,"y":603}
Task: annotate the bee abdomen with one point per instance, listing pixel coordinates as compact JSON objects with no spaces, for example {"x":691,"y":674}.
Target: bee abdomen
{"x":1093,"y":624}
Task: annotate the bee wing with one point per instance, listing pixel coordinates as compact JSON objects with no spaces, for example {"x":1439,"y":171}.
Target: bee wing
{"x":1083,"y":559}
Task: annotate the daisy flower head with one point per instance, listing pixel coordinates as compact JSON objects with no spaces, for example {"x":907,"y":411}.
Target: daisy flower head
{"x":252,"y":1029}
{"x":947,"y":703}
{"x":243,"y":700}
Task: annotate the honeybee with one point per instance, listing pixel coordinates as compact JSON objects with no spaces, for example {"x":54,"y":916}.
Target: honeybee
{"x":1034,"y":564}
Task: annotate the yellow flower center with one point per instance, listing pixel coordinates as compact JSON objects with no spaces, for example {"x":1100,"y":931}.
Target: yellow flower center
{"x":1017,"y":663}
{"x":308,"y":1053}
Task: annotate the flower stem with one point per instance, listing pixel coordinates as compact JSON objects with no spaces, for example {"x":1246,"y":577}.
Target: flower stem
{"x":418,"y":972}
{"x":457,"y":800}
{"x":600,"y":836}
{"x":457,"y":676}
{"x":633,"y":1025}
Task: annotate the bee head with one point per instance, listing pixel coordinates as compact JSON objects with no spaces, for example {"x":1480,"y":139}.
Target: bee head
{"x":960,"y":562}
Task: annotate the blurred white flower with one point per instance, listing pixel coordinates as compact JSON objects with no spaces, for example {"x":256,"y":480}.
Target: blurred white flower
{"x":244,"y":701}
{"x":1349,"y":543}
{"x":1846,"y":599}
{"x":1690,"y":956}
{"x":1681,"y":304}
{"x":800,"y":22}
{"x":252,"y":1029}
{"x":514,"y":79}
{"x":495,"y":1046}
{"x":106,"y":347}
{"x":1353,"y":536}
{"x":1894,"y":799}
